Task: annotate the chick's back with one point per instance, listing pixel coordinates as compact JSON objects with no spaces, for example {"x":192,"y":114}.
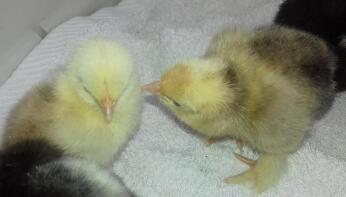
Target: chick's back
{"x":285,"y":78}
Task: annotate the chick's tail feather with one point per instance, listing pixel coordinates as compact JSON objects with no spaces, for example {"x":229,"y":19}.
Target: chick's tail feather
{"x":263,"y":175}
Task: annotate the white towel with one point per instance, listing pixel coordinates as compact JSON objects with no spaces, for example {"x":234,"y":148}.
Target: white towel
{"x":164,"y":158}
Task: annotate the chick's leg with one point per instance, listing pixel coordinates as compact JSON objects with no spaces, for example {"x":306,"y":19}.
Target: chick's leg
{"x":262,"y":174}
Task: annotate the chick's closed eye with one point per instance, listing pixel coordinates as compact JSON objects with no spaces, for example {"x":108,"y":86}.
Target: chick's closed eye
{"x":172,"y":101}
{"x":176,"y":103}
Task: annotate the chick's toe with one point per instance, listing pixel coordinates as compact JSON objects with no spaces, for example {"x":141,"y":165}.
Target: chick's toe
{"x":247,"y":161}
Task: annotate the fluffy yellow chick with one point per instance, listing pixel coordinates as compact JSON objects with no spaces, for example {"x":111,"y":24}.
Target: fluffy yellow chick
{"x":88,"y":110}
{"x":263,"y":88}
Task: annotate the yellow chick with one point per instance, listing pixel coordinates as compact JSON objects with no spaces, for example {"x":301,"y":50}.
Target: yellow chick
{"x":88,"y":110}
{"x":263,"y":88}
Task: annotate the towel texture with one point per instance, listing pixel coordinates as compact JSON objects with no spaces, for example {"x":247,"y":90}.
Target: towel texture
{"x":165,"y":158}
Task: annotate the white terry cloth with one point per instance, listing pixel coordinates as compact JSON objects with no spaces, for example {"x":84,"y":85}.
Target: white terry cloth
{"x":164,"y":158}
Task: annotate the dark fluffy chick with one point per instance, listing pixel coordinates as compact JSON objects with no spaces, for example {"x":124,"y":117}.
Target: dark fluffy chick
{"x":323,"y":18}
{"x":34,"y":168}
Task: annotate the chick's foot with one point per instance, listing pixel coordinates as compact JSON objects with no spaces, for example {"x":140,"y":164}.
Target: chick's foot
{"x":262,"y":174}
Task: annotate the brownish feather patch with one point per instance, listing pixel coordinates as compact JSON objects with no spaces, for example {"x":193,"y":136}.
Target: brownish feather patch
{"x":29,"y":119}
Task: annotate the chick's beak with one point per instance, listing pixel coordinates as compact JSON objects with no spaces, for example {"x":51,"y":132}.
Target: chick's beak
{"x":153,"y":88}
{"x":107,"y":106}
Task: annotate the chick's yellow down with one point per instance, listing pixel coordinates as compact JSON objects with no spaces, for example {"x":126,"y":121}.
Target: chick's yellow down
{"x":262,"y":87}
{"x":88,"y":110}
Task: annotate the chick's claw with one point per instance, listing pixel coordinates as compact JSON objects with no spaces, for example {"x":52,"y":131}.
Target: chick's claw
{"x":247,"y":161}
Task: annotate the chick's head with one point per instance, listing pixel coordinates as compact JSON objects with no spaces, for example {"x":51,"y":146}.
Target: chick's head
{"x":99,"y":71}
{"x":196,"y":86}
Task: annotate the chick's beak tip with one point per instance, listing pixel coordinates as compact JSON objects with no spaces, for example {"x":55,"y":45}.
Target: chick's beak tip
{"x":153,"y":88}
{"x":107,"y":106}
{"x":108,"y":113}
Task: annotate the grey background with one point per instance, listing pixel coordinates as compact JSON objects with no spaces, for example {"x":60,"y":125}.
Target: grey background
{"x":23,"y":23}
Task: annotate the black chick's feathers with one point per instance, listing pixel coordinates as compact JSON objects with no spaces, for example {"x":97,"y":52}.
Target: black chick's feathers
{"x":34,"y":168}
{"x":323,"y":18}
